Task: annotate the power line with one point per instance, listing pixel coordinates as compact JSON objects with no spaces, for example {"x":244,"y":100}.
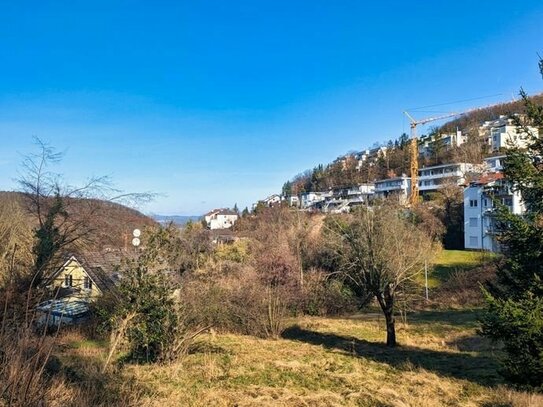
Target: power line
{"x":456,"y":101}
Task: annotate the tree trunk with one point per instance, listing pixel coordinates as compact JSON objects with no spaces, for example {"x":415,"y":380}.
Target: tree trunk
{"x":391,"y":329}
{"x":386,"y":301}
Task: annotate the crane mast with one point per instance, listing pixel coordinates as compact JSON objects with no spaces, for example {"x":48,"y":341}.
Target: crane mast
{"x":414,"y":151}
{"x":414,"y":147}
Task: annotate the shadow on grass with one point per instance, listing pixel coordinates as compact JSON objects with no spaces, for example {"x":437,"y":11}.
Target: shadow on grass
{"x":477,"y":369}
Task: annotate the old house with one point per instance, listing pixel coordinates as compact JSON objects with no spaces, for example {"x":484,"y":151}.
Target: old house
{"x":72,"y":286}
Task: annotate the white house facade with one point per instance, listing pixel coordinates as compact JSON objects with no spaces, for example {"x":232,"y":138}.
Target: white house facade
{"x":479,"y":210}
{"x":309,"y":199}
{"x":503,"y":133}
{"x":447,"y":141}
{"x":221,"y":219}
{"x":399,"y":186}
{"x":495,"y":163}
{"x":433,"y":178}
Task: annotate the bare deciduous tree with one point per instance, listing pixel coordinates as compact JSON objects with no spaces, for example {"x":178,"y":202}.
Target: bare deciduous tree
{"x":63,"y":212}
{"x":381,"y":251}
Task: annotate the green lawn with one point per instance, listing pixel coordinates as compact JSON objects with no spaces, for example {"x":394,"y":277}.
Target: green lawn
{"x":449,"y":261}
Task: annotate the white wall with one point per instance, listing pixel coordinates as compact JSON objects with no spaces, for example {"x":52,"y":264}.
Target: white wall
{"x":479,"y":222}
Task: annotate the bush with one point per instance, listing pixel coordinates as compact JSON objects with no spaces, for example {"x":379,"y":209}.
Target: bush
{"x":144,"y":314}
{"x":323,"y":296}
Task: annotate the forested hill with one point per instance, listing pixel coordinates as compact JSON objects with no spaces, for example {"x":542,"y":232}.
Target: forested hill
{"x":470,"y":122}
{"x":347,"y":170}
{"x":109,"y":224}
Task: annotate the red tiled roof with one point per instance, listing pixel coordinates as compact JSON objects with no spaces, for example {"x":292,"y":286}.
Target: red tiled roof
{"x":488,"y":178}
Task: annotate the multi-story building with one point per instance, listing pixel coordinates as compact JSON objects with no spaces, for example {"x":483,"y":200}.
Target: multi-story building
{"x":221,"y":218}
{"x":447,"y":141}
{"x":503,"y":133}
{"x":399,"y":186}
{"x":293,"y":201}
{"x":434,"y":177}
{"x":495,"y":163}
{"x":310,"y":199}
{"x":480,"y":199}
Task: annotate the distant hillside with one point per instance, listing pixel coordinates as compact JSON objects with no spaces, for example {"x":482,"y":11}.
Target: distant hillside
{"x":349,"y":170}
{"x":112,"y":224}
{"x":471,"y":121}
{"x":179,"y":220}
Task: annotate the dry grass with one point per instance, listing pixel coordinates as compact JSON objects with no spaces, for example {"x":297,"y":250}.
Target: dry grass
{"x":331,"y":362}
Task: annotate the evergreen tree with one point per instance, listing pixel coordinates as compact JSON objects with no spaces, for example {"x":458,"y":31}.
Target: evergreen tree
{"x":287,"y":189}
{"x":514,"y":313}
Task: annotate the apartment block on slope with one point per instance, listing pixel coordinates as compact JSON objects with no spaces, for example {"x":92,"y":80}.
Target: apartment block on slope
{"x":503,"y":133}
{"x":480,"y":210}
{"x":398,"y":187}
{"x":434,"y":177}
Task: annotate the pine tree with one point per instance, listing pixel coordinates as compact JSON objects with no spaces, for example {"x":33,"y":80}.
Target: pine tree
{"x":514,"y":313}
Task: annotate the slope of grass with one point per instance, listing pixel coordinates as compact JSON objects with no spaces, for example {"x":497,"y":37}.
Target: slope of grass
{"x":332,"y":362}
{"x":450,"y":261}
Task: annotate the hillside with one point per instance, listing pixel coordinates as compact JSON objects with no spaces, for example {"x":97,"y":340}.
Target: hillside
{"x":348,"y":170}
{"x":179,"y":220}
{"x":471,"y":121}
{"x":111,"y":224}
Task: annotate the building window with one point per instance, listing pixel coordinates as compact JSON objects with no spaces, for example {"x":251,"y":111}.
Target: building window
{"x":87,"y":283}
{"x":472,"y":222}
{"x":473,"y":241}
{"x":68,"y":280}
{"x":508,"y":201}
{"x":473,"y":203}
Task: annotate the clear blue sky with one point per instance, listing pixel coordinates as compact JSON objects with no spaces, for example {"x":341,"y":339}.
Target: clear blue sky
{"x":218,"y":102}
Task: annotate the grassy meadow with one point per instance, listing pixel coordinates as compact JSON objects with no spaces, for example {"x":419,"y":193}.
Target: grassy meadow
{"x":321,"y":362}
{"x":317,"y":361}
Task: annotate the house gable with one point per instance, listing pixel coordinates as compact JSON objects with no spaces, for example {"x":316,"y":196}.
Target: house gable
{"x":76,"y":280}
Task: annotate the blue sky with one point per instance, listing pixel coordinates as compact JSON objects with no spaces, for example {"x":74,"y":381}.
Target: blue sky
{"x":216,"y":102}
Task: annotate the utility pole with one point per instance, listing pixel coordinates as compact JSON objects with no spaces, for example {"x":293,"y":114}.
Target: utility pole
{"x":426,"y":279}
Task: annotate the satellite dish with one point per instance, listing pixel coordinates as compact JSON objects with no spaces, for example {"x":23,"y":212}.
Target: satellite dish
{"x":136,"y":242}
{"x":136,"y":233}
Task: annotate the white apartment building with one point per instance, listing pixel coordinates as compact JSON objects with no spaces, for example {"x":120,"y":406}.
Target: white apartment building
{"x":399,"y":186}
{"x":293,"y":201}
{"x":495,"y":163}
{"x":452,"y":140}
{"x":370,"y":155}
{"x":479,"y":210}
{"x":272,"y":200}
{"x":309,"y":199}
{"x":503,"y":133}
{"x":434,"y":177}
{"x":220,"y":219}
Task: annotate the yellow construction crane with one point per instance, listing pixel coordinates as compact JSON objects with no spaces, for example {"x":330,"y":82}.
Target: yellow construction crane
{"x":414,"y":150}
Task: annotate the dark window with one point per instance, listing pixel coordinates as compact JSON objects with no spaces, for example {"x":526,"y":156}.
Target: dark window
{"x":68,"y":280}
{"x":87,"y":283}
